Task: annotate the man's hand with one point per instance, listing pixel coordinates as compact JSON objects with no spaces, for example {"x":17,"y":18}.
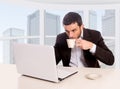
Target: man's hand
{"x":84,"y":44}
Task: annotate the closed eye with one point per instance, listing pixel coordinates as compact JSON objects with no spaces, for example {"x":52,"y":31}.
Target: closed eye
{"x":74,"y":30}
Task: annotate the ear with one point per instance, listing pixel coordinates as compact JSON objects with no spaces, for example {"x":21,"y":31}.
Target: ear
{"x":82,"y":26}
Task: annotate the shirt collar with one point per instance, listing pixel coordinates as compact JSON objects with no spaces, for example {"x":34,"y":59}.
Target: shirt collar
{"x":81,"y":36}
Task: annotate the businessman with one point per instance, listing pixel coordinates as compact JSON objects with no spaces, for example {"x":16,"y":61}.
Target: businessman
{"x":89,"y":45}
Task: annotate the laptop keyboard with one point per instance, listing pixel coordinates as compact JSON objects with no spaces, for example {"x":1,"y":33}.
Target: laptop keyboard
{"x":64,"y":72}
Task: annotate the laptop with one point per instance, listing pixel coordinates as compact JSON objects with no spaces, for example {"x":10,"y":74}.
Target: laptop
{"x":38,"y":61}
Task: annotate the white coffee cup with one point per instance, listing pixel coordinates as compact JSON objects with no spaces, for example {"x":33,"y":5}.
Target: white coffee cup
{"x":71,"y":43}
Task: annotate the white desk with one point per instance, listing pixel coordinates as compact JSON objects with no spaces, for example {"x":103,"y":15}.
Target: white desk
{"x":10,"y":79}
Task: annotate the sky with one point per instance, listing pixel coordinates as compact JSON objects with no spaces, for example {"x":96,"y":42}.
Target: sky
{"x":13,"y":16}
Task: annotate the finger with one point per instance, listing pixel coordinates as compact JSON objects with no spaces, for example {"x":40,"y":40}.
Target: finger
{"x":78,"y":44}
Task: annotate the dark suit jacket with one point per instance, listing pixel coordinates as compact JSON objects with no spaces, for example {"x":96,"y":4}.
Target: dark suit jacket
{"x":102,"y":53}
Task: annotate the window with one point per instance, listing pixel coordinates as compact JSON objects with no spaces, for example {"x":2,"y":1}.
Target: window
{"x":17,"y":24}
{"x":33,"y":23}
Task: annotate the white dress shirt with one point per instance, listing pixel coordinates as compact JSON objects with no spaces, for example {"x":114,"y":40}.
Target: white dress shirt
{"x":77,"y":58}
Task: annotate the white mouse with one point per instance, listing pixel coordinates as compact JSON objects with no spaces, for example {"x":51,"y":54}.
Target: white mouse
{"x":92,"y":76}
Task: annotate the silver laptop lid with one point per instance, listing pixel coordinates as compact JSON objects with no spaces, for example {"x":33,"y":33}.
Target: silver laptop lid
{"x":36,"y":61}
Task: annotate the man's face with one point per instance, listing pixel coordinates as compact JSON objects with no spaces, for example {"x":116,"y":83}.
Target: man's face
{"x":73,"y":30}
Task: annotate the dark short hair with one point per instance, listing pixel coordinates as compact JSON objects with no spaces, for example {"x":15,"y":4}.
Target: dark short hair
{"x":72,"y":17}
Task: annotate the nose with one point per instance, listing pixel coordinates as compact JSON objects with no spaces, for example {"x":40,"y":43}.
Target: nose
{"x":71,"y":35}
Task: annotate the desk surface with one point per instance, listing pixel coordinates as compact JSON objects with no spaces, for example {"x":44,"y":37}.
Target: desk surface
{"x":109,"y":79}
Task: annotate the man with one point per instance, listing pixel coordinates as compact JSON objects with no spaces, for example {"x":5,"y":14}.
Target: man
{"x":89,"y":48}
